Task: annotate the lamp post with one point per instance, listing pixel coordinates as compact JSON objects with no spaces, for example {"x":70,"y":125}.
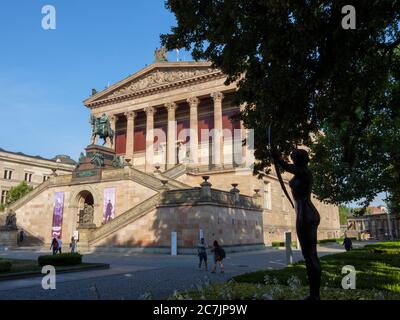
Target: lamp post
{"x":389,"y":221}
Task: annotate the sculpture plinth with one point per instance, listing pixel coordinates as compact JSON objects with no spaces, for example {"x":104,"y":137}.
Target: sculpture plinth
{"x":97,"y":157}
{"x":94,"y":160}
{"x":8,"y":237}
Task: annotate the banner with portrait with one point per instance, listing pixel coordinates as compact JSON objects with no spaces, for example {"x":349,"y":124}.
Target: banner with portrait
{"x":109,"y":204}
{"x":58,"y":211}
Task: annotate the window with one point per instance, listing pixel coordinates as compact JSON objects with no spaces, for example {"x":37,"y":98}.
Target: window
{"x":284,"y":205}
{"x":267,"y":195}
{"x":7,"y":174}
{"x":28,"y":177}
{"x":45,"y":178}
{"x":3,"y":196}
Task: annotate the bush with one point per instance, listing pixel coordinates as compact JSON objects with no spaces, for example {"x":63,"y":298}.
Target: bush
{"x":5,"y":265}
{"x":64,"y":259}
{"x":288,"y":291}
{"x":277,"y":244}
{"x":326,"y":241}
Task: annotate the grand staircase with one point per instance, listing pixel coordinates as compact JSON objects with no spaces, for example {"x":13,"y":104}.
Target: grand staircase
{"x":153,"y":181}
{"x":175,"y":172}
{"x":28,"y":197}
{"x":124,"y":219}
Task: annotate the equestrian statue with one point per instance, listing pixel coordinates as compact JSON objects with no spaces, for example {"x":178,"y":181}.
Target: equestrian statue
{"x":101,"y":128}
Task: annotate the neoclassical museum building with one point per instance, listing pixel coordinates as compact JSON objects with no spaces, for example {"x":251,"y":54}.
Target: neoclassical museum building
{"x":177,"y":165}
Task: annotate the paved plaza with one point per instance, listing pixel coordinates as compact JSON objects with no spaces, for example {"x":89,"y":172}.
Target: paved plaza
{"x":133,"y":275}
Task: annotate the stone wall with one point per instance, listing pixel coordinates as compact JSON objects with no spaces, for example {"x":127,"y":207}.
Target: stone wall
{"x":36,"y":216}
{"x":229,"y":226}
{"x":280,"y":217}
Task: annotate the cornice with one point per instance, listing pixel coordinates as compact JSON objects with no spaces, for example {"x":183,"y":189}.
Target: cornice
{"x":154,"y":90}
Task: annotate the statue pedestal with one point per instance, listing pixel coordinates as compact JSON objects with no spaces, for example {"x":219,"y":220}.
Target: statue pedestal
{"x":8,"y":238}
{"x":88,"y":169}
{"x":107,"y":154}
{"x":85,"y":234}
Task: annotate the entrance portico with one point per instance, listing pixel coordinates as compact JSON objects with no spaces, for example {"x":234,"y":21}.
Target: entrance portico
{"x":159,"y":121}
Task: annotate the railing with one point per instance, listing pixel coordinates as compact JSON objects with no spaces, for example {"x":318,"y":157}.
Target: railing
{"x":125,"y":218}
{"x":211,"y":168}
{"x":195,"y":195}
{"x":175,"y":172}
{"x":29,"y":196}
{"x":153,"y":182}
{"x":182,"y":196}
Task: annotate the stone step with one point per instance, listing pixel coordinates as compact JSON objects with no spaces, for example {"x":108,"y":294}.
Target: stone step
{"x":124,"y":219}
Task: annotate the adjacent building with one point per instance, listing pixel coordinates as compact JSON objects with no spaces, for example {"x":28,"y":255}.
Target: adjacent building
{"x":16,"y":167}
{"x":376,"y":223}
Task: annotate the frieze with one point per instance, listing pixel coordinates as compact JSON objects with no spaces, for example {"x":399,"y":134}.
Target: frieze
{"x":159,"y":78}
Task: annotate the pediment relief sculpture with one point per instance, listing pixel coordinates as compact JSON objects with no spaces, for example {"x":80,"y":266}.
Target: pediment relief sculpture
{"x":158,"y":78}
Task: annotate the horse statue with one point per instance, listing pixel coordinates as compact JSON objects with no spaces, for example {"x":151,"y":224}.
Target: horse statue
{"x":101,"y":128}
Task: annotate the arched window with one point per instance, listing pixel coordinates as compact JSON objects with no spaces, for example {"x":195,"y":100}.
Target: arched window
{"x":267,"y":196}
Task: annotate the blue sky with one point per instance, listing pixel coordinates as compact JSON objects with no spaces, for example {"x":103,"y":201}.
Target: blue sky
{"x":45,"y":75}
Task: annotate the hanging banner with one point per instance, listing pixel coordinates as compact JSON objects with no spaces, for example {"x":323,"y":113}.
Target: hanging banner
{"x":109,"y":204}
{"x":56,"y":230}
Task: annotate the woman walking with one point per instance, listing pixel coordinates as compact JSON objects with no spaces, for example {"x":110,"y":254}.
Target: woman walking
{"x":219,"y":255}
{"x":54,"y":246}
{"x":72,"y":245}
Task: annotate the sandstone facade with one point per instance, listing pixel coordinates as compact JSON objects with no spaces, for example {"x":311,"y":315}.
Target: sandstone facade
{"x":173,"y":126}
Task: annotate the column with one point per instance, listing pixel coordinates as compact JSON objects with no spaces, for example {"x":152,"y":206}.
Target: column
{"x":194,"y":138}
{"x":171,"y":135}
{"x":149,"y":138}
{"x":218,"y":155}
{"x":130,"y":135}
{"x":113,"y":121}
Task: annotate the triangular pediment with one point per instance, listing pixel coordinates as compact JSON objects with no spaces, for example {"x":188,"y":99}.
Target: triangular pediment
{"x":157,"y":75}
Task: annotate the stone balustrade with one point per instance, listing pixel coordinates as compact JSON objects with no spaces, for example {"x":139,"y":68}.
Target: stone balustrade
{"x":206,"y":194}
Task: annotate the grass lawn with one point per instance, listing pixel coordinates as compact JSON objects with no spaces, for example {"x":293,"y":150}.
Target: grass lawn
{"x":377,"y":277}
{"x":20,"y":267}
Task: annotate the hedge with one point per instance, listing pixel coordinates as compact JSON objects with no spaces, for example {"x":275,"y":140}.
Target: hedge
{"x":338,"y":240}
{"x":64,"y":259}
{"x":5,"y":265}
{"x":276,"y":244}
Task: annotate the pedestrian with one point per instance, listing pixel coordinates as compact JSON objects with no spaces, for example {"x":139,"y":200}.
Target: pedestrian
{"x":202,"y":253}
{"x":72,"y":245}
{"x":59,"y":244}
{"x":21,"y":236}
{"x":54,"y":246}
{"x":348,"y":245}
{"x":219,"y":255}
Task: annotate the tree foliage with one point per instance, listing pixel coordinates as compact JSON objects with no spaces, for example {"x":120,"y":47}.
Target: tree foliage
{"x":18,"y":192}
{"x":344,"y":213}
{"x":333,"y":90}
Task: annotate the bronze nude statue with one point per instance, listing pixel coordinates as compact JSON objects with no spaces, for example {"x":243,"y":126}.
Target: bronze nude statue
{"x":307,"y":216}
